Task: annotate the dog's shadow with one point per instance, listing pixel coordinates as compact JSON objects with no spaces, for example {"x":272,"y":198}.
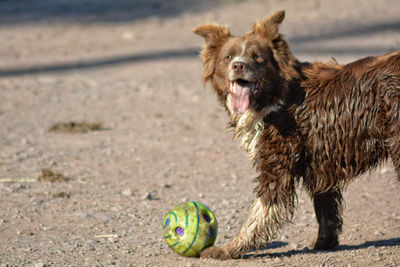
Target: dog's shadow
{"x":392,"y":242}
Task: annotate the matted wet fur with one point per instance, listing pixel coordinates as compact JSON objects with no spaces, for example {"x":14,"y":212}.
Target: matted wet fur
{"x":320,"y":125}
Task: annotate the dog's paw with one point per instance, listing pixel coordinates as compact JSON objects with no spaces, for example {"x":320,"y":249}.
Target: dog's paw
{"x":325,"y":243}
{"x":215,"y":253}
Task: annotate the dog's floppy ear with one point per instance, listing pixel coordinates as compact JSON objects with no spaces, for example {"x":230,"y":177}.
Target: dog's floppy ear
{"x":215,"y":36}
{"x":212,"y":34}
{"x":268,"y":27}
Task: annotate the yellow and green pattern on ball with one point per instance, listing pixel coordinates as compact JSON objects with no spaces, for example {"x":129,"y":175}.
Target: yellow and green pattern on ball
{"x":189,"y":228}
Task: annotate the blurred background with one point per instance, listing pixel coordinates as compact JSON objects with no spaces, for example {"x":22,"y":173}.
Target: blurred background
{"x":98,"y":33}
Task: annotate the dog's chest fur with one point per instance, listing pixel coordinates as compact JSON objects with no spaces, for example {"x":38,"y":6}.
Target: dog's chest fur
{"x":249,"y":129}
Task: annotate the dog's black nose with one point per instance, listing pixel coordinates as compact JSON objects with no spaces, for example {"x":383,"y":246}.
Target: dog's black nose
{"x":238,"y":66}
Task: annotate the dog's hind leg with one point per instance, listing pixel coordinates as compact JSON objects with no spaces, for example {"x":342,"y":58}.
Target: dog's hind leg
{"x":328,"y":210}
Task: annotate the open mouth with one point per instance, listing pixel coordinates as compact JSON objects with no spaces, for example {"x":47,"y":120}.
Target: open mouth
{"x":242,"y":92}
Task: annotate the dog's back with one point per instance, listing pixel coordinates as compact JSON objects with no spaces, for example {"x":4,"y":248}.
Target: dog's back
{"x":351,"y":116}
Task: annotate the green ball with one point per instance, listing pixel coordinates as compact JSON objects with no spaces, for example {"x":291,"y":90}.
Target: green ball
{"x":189,"y":228}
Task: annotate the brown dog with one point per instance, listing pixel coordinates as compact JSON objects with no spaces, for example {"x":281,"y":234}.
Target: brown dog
{"x":318,"y":124}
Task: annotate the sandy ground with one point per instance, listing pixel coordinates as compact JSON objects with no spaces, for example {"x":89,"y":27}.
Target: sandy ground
{"x":133,"y":67}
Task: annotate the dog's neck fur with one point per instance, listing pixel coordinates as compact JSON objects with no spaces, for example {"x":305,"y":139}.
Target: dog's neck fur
{"x":249,"y":127}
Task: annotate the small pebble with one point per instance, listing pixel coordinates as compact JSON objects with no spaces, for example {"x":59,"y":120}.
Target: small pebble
{"x":127,"y":192}
{"x":147,"y":196}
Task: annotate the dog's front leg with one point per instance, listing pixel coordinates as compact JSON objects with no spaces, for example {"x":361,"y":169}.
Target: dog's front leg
{"x":268,"y":213}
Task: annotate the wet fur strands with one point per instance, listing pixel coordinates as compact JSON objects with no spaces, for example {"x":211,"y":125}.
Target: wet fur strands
{"x":319,"y":124}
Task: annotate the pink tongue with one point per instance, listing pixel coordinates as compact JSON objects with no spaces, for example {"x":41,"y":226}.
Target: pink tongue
{"x":240,"y":97}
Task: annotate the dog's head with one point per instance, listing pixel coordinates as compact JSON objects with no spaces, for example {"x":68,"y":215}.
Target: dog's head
{"x":250,"y":72}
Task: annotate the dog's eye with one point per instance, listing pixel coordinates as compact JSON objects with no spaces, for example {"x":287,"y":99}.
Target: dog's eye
{"x":228,"y":59}
{"x":258,"y":58}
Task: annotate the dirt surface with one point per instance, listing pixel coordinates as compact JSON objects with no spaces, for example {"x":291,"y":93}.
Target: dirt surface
{"x":133,"y":67}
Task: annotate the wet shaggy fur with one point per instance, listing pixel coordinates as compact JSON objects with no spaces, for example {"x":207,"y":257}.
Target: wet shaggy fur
{"x":319,"y":125}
